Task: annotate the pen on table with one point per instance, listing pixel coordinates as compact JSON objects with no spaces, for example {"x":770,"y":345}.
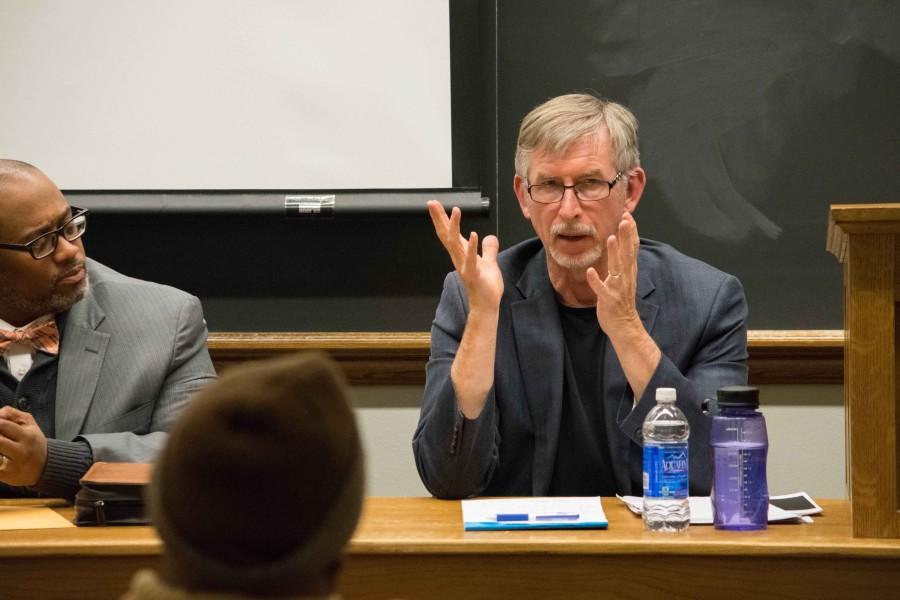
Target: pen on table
{"x":504,"y":517}
{"x":511,"y":517}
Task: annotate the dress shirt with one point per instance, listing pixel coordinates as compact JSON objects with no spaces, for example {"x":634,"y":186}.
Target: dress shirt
{"x":18,"y":356}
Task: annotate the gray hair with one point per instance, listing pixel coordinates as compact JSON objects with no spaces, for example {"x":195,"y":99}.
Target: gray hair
{"x":559,"y":122}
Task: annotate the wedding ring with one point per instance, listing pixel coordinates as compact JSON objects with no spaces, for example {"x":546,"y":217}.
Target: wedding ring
{"x":615,"y":275}
{"x":4,"y":461}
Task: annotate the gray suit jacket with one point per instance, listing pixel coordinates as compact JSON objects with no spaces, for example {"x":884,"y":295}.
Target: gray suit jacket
{"x":132,"y":355}
{"x":695,"y":313}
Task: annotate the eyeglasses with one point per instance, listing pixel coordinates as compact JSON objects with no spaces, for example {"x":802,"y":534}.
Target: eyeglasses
{"x":45,"y":244}
{"x":588,"y":190}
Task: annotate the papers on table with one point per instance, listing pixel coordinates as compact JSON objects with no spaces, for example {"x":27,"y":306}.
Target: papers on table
{"x":31,"y":517}
{"x":587,"y":512}
{"x":702,"y":514}
{"x":533,"y":513}
{"x":798,"y":503}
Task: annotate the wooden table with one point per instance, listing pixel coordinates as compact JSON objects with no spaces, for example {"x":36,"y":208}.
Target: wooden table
{"x":416,"y":548}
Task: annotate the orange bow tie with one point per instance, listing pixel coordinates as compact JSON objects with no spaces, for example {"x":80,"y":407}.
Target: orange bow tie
{"x":43,"y":336}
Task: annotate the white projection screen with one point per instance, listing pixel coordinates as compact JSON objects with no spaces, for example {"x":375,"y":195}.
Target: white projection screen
{"x":228,"y":94}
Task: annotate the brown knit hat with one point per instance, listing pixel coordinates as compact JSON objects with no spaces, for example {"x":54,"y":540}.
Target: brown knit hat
{"x":262,"y":476}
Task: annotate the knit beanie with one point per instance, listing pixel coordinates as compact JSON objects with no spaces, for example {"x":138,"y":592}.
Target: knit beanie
{"x":262,"y":476}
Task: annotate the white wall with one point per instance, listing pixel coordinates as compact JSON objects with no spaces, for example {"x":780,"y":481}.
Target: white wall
{"x":387,"y":416}
{"x":805,"y":424}
{"x":806,"y":439}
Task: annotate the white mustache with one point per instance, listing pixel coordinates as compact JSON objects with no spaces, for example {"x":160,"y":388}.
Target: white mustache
{"x":573,"y":229}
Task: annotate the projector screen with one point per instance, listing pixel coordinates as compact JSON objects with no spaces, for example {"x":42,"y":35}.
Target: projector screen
{"x":228,"y":94}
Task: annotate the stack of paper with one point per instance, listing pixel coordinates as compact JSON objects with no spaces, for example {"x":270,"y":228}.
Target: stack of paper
{"x":533,"y":513}
{"x":701,"y":508}
{"x":31,"y":517}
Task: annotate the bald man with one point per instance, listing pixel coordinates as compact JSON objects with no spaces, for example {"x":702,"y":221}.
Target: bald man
{"x":94,"y":366}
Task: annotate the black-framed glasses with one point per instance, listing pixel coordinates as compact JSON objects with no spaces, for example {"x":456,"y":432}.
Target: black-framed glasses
{"x":589,"y":190}
{"x":45,"y":244}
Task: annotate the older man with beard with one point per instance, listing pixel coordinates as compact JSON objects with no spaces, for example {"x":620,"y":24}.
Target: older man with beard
{"x":545,"y":358}
{"x":95,"y":365}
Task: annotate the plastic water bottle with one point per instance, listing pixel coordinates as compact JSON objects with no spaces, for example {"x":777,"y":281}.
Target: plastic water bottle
{"x":740,"y":496}
{"x":666,"y":431}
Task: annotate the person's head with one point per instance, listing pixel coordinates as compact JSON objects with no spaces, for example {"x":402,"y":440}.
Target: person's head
{"x":33,"y":211}
{"x":260,"y":485}
{"x":585,"y":141}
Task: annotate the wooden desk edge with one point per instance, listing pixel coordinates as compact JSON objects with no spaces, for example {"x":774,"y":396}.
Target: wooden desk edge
{"x":398,"y":358}
{"x":438,"y":531}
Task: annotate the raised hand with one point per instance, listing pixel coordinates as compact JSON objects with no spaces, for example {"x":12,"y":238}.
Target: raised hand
{"x":480,"y":274}
{"x":616,"y":308}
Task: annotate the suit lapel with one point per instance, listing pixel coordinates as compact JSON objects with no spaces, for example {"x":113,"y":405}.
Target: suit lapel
{"x":618,"y":401}
{"x":81,"y":357}
{"x":539,"y":344}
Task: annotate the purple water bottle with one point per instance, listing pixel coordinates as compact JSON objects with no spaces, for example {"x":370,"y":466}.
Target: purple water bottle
{"x":740,"y":495}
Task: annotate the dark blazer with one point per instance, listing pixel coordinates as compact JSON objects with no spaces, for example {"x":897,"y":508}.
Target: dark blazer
{"x":695,"y":313}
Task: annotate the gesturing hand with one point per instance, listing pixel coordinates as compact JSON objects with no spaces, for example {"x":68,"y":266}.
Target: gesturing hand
{"x":24,"y":445}
{"x":616,"y":308}
{"x":480,"y":274}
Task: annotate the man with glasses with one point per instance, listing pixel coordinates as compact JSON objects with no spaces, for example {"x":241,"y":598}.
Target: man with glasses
{"x":94,"y":366}
{"x":545,"y":358}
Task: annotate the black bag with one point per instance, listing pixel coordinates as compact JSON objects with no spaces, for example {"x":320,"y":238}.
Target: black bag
{"x":113,"y":494}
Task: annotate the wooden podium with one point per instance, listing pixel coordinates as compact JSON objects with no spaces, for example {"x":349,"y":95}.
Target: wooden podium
{"x":866,"y":240}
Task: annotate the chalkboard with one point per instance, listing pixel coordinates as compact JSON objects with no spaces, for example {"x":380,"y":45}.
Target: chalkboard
{"x":755,"y":117}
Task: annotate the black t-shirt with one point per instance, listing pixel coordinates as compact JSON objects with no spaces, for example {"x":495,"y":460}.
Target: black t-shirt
{"x":583,"y":463}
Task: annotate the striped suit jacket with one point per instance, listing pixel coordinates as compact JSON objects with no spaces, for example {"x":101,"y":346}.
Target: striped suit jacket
{"x":131,"y":356}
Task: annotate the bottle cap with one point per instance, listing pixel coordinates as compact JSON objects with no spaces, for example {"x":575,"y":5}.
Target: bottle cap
{"x":738,"y":396}
{"x":665,"y":395}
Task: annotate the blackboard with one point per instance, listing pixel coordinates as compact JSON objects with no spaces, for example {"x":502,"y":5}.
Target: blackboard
{"x":755,"y":117}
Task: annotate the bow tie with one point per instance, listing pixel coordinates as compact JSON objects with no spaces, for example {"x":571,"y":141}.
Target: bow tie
{"x":43,"y":336}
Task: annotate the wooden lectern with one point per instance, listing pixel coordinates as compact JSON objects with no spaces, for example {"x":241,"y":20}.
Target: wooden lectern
{"x":866,"y":240}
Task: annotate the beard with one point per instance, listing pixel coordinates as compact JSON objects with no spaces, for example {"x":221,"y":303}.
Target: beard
{"x":576,"y":261}
{"x":61,"y":302}
{"x":54,"y":302}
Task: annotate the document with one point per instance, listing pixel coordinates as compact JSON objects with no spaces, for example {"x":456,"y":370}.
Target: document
{"x":702,"y":513}
{"x":533,"y":513}
{"x":31,"y":517}
{"x":798,"y":503}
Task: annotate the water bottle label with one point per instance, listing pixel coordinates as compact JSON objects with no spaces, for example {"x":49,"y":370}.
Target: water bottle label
{"x":666,"y":471}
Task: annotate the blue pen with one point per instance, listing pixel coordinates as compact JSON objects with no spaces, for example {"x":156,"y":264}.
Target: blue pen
{"x":501,"y":517}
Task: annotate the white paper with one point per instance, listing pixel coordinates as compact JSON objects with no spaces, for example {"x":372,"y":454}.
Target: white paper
{"x":702,"y":514}
{"x":814,"y":509}
{"x":533,"y":513}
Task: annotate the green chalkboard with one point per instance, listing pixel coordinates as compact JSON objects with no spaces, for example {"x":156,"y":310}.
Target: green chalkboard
{"x":755,"y":117}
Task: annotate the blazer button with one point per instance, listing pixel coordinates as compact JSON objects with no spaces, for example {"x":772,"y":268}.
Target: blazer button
{"x":24,"y":403}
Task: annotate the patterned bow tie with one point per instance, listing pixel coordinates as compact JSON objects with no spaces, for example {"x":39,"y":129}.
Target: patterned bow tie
{"x":43,"y":336}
